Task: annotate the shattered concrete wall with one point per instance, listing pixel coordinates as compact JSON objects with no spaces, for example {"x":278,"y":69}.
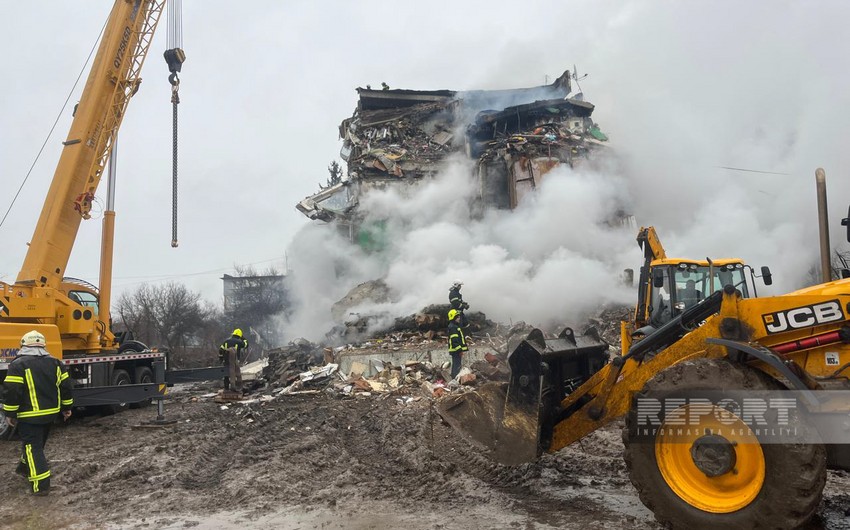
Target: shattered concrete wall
{"x":517,"y":136}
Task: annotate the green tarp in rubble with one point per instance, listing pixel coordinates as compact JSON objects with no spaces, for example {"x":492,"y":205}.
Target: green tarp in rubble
{"x":596,"y":133}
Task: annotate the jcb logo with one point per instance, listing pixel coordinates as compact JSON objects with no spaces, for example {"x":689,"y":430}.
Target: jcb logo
{"x":801,"y":317}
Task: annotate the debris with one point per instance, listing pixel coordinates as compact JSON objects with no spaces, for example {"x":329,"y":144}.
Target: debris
{"x":299,"y":368}
{"x":318,"y":373}
{"x":396,"y":137}
{"x":357,"y":370}
{"x":253,"y":371}
{"x":228,"y":396}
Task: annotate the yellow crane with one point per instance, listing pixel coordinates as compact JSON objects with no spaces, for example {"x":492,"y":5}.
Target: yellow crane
{"x":72,"y":314}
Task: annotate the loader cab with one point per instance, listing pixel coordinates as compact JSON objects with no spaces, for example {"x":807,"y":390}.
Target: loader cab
{"x":678,"y":285}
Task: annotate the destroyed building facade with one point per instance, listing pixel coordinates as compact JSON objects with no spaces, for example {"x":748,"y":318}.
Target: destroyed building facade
{"x":398,"y":137}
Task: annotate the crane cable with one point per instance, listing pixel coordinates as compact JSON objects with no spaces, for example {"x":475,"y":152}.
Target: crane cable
{"x":175,"y":100}
{"x":174,"y":57}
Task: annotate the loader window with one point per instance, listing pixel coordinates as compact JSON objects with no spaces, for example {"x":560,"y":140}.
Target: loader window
{"x":660,"y":305}
{"x":693,"y":283}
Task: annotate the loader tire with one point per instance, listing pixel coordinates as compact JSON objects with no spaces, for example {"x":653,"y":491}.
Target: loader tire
{"x":757,"y":484}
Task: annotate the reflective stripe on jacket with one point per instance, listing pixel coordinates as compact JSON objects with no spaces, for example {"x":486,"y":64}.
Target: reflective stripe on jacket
{"x":233,"y":342}
{"x":457,"y":340}
{"x":455,"y":298}
{"x":37,"y":387}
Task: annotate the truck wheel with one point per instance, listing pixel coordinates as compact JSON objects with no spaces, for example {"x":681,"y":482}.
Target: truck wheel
{"x":5,"y":429}
{"x":119,"y":377}
{"x":143,"y":375}
{"x":714,"y":471}
{"x":132,"y":345}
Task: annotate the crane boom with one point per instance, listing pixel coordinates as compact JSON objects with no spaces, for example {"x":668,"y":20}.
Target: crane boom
{"x":113,"y":80}
{"x":74,"y":315}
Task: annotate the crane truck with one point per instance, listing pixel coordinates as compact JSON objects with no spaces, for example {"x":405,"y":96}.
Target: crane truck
{"x":72,"y":314}
{"x":734,"y":405}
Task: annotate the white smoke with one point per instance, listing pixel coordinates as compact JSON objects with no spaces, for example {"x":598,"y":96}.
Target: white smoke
{"x":682,"y":90}
{"x":324,"y":266}
{"x":550,"y":261}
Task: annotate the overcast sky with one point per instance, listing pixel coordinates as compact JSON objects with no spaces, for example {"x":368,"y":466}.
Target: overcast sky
{"x":681,"y":88}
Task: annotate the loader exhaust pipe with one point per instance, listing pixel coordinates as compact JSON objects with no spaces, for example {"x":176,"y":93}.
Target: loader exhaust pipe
{"x":823,"y":225}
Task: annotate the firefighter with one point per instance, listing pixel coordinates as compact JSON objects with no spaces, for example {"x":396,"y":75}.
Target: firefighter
{"x":230,"y":352}
{"x":37,"y":391}
{"x":457,"y":303}
{"x":457,"y":341}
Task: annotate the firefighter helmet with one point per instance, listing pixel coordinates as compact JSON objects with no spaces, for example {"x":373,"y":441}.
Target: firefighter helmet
{"x":457,"y":283}
{"x":33,"y":338}
{"x":453,"y":313}
{"x":237,"y":332}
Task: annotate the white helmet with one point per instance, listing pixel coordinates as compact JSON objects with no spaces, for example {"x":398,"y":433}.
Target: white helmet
{"x":457,"y":283}
{"x":33,"y":338}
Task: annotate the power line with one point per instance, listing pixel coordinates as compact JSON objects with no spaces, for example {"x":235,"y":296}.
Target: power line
{"x":751,"y":170}
{"x":159,"y":278}
{"x":49,"y":134}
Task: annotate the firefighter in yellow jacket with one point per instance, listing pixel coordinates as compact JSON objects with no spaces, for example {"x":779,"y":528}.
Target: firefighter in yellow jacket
{"x":457,"y":341}
{"x":230,"y":352}
{"x":37,"y":390}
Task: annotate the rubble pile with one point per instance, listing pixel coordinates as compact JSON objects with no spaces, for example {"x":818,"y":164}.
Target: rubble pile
{"x":398,"y":142}
{"x":357,"y":327}
{"x":519,"y":145}
{"x":428,"y":324}
{"x":607,"y":323}
{"x":396,"y":137}
{"x":559,"y":127}
{"x":286,"y":363}
{"x":374,"y":291}
{"x":286,"y":375}
{"x":303,"y":367}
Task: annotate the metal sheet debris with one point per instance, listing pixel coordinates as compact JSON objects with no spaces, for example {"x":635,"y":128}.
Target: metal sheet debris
{"x":317,"y":373}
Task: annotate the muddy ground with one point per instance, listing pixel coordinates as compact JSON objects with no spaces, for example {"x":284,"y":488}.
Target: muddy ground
{"x":318,"y":461}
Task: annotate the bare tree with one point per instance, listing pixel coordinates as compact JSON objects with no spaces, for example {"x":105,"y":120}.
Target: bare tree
{"x":840,"y":261}
{"x":168,"y":315}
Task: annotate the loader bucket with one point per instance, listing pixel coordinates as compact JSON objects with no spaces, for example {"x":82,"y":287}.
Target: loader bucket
{"x":514,"y":420}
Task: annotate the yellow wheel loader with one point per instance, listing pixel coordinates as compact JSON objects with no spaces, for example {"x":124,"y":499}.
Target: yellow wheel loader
{"x":734,"y":405}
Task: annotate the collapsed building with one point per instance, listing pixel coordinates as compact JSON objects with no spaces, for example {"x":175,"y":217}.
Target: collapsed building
{"x":515,"y":137}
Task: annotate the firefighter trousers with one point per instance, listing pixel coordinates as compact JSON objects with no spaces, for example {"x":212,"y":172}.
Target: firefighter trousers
{"x":234,"y":373}
{"x":456,"y":362}
{"x":34,"y":463}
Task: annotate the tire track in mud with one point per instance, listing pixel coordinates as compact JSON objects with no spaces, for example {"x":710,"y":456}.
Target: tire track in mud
{"x":335,"y":457}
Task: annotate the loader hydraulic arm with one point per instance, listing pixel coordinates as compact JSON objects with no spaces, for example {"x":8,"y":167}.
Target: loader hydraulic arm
{"x":647,"y":240}
{"x":113,"y":80}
